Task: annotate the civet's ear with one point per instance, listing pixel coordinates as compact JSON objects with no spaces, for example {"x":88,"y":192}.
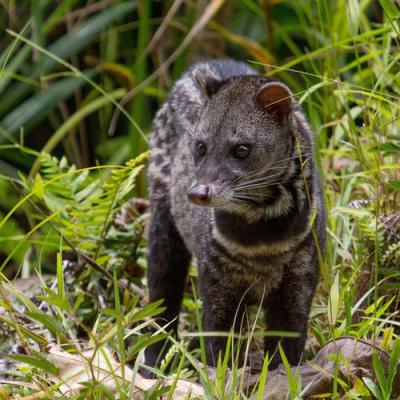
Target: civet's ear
{"x":207,"y":84}
{"x":275,"y":98}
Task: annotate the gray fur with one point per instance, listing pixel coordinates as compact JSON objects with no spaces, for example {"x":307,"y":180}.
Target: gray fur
{"x":259,"y":246}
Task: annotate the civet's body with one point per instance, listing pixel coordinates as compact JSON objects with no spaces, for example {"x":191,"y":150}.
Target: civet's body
{"x":233,"y":182}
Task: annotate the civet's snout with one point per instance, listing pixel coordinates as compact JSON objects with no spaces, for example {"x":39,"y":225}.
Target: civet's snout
{"x":199,"y":195}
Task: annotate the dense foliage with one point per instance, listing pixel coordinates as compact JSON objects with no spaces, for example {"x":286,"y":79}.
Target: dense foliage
{"x":80,"y":82}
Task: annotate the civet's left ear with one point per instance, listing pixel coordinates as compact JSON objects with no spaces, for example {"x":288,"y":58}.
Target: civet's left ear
{"x":276,"y":98}
{"x":206,"y":83}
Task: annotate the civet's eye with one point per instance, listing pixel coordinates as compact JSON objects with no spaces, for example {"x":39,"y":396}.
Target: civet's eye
{"x":241,"y":151}
{"x":201,"y":149}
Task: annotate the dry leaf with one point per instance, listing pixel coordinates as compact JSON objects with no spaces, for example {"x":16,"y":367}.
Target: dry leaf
{"x":101,"y":366}
{"x":318,"y":374}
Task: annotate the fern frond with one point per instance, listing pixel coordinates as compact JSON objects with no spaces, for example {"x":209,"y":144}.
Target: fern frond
{"x":90,"y":200}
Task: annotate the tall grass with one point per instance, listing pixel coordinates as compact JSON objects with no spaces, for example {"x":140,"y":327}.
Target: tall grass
{"x":82,"y":80}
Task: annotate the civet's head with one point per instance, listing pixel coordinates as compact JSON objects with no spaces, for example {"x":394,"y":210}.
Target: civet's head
{"x":243,"y":143}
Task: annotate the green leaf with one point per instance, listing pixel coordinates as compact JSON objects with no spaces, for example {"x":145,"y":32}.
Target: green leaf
{"x":388,"y":148}
{"x":135,"y":315}
{"x":294,"y":379}
{"x":38,"y":187}
{"x":353,"y":11}
{"x":48,"y":321}
{"x":333,"y":301}
{"x":37,"y":362}
{"x":55,"y":300}
{"x":111,"y":312}
{"x":144,"y":341}
{"x":373,"y":388}
{"x":68,"y":45}
{"x":150,"y":310}
{"x":391,"y":10}
{"x":380,"y":373}
{"x":359,"y":386}
{"x":88,"y":31}
{"x":8,"y":233}
{"x":395,"y":185}
{"x":263,"y":378}
{"x":8,"y":170}
{"x":13,"y":66}
{"x":64,"y":7}
{"x":32,"y":111}
{"x":78,"y":116}
{"x":394,"y":362}
{"x":60,"y":276}
{"x":25,"y":331}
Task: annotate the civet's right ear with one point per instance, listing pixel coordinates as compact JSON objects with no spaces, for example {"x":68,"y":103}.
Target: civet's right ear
{"x":207,"y":84}
{"x":276,"y":98}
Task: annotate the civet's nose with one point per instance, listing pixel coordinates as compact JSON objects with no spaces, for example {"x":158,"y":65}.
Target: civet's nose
{"x":199,"y":194}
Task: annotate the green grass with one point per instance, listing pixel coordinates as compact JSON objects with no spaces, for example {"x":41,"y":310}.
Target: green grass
{"x":66,"y":68}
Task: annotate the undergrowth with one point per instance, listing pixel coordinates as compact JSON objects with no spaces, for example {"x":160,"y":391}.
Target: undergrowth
{"x":80,"y":83}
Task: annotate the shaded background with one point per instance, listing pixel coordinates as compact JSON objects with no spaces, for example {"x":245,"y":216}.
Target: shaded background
{"x":83,"y":79}
{"x":120,"y":44}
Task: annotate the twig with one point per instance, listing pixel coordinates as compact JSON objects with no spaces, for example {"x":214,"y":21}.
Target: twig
{"x":33,"y":396}
{"x":85,"y":11}
{"x":270,"y":29}
{"x":160,"y":31}
{"x":86,"y":258}
{"x":208,"y":13}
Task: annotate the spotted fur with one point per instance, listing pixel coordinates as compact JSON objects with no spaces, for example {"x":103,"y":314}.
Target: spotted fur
{"x":262,"y":247}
